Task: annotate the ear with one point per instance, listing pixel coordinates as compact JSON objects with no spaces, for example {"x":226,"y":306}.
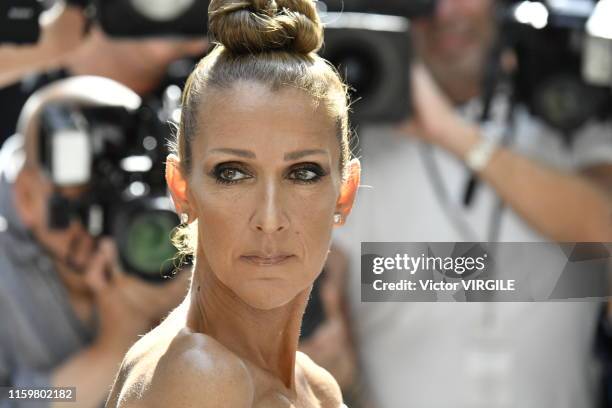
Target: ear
{"x":348,"y":191}
{"x":177,"y":184}
{"x":29,"y":197}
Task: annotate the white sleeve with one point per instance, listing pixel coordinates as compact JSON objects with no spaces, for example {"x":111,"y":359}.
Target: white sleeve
{"x":593,"y":145}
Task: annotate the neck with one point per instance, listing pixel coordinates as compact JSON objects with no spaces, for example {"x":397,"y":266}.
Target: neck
{"x":267,"y":338}
{"x":458,"y":91}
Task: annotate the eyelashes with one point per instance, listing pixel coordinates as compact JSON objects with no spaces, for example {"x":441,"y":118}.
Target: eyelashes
{"x":234,"y":172}
{"x":307,"y":173}
{"x":229,"y":173}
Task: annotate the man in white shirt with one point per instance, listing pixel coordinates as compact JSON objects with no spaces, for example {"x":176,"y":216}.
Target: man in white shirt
{"x":472,"y":354}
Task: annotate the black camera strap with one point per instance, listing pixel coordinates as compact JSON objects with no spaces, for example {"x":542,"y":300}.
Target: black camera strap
{"x":490,"y":84}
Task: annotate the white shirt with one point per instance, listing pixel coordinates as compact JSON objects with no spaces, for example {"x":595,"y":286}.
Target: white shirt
{"x":465,"y":354}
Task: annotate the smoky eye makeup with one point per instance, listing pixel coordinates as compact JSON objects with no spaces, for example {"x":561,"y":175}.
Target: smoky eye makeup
{"x":306,"y":173}
{"x":229,"y":173}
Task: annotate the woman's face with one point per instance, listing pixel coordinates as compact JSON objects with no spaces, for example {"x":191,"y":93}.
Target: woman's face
{"x":265,"y":183}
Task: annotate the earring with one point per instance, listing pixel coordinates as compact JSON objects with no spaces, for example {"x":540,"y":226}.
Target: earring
{"x":337,"y":218}
{"x":184,"y":218}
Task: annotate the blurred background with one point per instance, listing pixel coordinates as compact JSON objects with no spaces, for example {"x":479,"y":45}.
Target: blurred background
{"x":90,"y":94}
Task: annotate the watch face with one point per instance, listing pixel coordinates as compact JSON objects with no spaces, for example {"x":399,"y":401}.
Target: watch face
{"x":162,"y":10}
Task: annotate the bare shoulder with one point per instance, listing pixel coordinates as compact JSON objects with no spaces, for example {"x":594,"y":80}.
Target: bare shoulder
{"x":197,"y":371}
{"x":323,"y":384}
{"x":187,"y":370}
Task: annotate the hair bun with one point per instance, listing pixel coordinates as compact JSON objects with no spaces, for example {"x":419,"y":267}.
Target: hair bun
{"x":256,"y":26}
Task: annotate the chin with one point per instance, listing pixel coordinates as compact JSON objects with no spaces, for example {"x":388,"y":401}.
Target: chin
{"x":267,"y":294}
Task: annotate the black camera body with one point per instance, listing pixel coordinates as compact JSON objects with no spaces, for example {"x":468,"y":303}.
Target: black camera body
{"x":19,"y":21}
{"x":372,"y":53}
{"x":118,"y":156}
{"x":408,"y":9}
{"x":556,"y":60}
{"x":369,"y":42}
{"x":142,"y":18}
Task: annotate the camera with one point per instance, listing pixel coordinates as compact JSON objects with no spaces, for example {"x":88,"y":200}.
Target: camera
{"x":19,"y":21}
{"x":141,"y":18}
{"x":372,"y":53}
{"x":369,"y":42}
{"x":118,"y":156}
{"x":563,"y":51}
{"x":564,"y":55}
{"x":408,"y":9}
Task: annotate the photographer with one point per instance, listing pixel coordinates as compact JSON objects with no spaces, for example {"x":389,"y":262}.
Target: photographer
{"x":473,"y":354}
{"x":69,"y":312}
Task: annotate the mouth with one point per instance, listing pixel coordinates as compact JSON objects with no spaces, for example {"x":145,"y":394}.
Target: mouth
{"x":265,"y":260}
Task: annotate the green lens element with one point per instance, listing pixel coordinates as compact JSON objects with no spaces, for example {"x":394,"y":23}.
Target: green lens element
{"x":149,"y":248}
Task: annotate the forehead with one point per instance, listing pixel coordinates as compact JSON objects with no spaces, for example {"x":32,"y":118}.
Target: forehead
{"x":251,"y":115}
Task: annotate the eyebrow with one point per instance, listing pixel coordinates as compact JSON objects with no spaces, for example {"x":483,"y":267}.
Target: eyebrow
{"x":288,"y":156}
{"x":302,"y":153}
{"x":237,"y":152}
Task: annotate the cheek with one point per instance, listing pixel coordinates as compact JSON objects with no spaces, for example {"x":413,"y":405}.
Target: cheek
{"x":225,"y":229}
{"x":58,"y":241}
{"x":312,"y":216}
{"x":221,"y":218}
{"x":39,"y":208}
{"x":64,"y":243}
{"x":224,"y":213}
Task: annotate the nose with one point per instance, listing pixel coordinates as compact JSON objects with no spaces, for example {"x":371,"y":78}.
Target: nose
{"x":269,"y":215}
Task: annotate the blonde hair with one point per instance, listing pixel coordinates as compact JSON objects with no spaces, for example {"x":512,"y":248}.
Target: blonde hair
{"x":272,"y":42}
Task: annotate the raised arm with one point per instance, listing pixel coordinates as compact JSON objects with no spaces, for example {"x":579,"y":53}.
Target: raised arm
{"x":561,"y":205}
{"x":61,"y":32}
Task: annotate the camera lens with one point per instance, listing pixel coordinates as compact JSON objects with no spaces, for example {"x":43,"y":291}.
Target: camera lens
{"x":147,"y":248}
{"x":560,"y":101}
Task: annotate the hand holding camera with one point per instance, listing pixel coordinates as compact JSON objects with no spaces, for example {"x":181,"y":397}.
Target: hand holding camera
{"x":127,"y":306}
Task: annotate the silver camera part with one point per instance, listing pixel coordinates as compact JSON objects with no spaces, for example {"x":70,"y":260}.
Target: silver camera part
{"x":597,"y":58}
{"x":71,"y":157}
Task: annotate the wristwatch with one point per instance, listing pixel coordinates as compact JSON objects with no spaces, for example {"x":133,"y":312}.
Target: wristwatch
{"x":480,"y":155}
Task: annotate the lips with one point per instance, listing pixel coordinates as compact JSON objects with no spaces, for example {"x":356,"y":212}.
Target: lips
{"x":261,"y":259}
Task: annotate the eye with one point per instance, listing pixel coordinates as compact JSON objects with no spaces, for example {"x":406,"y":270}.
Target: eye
{"x":309,"y":173}
{"x":229,"y":173}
